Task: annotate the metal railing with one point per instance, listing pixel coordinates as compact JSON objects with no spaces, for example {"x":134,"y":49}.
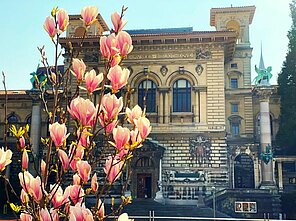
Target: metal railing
{"x":152,"y":217}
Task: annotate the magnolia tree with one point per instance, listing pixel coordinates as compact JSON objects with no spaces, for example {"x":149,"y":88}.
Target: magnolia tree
{"x":72,"y":154}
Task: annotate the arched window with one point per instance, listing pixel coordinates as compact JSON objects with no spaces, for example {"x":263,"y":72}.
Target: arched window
{"x":147,"y":88}
{"x":182,"y":96}
{"x":12,"y":119}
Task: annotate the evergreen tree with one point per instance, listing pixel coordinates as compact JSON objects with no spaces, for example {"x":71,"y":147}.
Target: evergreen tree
{"x":286,"y":136}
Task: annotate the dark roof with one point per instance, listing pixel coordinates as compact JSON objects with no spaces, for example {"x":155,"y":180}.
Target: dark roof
{"x":160,"y":30}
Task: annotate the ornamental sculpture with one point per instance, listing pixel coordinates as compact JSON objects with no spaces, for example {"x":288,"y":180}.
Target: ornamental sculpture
{"x":263,"y":77}
{"x":267,"y":155}
{"x":200,"y":149}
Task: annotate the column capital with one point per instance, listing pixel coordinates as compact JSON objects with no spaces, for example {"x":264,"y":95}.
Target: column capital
{"x":264,"y":92}
{"x":164,"y":89}
{"x":35,"y":95}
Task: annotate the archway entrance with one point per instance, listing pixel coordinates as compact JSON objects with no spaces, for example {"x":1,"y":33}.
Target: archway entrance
{"x":243,"y":171}
{"x":144,"y":185}
{"x":145,"y":167}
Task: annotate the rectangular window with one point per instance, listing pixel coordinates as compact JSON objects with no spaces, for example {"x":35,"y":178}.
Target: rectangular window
{"x":235,"y":129}
{"x":233,"y":65}
{"x":234,"y":108}
{"x":233,"y":83}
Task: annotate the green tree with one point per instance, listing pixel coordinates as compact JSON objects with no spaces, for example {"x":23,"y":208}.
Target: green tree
{"x":286,"y":136}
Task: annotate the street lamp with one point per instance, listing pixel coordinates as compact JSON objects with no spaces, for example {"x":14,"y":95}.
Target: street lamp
{"x":214,"y":201}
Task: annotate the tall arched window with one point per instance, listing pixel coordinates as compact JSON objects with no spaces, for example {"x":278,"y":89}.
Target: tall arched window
{"x":182,"y":96}
{"x":147,"y":88}
{"x":12,"y":119}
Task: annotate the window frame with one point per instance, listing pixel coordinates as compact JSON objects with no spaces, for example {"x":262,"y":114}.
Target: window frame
{"x":151,"y":105}
{"x":182,"y":96}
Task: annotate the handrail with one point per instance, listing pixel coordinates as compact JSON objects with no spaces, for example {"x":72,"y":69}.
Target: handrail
{"x":152,"y":217}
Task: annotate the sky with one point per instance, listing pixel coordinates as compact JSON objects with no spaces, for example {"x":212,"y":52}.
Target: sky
{"x":21,"y":28}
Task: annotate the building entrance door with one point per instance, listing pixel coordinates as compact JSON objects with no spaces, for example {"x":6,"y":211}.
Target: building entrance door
{"x":144,"y":185}
{"x":243,"y":171}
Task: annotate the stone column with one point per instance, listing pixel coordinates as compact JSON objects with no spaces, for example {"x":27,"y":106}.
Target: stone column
{"x":166,"y":108}
{"x":160,"y":107}
{"x":280,"y":175}
{"x":196,"y":105}
{"x":35,"y":129}
{"x":267,"y":181}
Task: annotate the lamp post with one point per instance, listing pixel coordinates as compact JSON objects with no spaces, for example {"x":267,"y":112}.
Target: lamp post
{"x":214,"y":201}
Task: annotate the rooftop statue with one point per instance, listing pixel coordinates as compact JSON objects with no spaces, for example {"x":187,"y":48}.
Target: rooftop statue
{"x":263,"y":77}
{"x":37,"y":77}
{"x":264,"y":74}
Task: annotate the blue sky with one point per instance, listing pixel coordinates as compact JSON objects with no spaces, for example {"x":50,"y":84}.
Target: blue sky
{"x":21,"y":27}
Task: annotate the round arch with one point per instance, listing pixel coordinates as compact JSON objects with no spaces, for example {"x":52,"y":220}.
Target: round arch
{"x":187,"y":75}
{"x":140,"y":76}
{"x":16,"y":117}
{"x":244,"y":171}
{"x":233,"y":25}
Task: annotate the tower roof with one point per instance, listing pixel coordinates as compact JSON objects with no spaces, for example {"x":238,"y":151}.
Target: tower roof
{"x":261,"y":62}
{"x":248,"y":9}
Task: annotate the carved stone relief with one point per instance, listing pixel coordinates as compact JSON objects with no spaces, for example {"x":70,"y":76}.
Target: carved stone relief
{"x":203,"y":54}
{"x":199,"y":69}
{"x":200,"y":149}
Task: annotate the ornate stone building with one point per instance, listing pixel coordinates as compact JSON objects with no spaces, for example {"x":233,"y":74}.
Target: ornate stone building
{"x":204,"y":114}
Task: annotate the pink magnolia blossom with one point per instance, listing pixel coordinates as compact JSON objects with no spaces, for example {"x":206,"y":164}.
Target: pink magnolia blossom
{"x":118,"y":77}
{"x":64,"y":159}
{"x":124,"y":43}
{"x":84,"y":170}
{"x":63,"y":19}
{"x":75,"y":193}
{"x":136,"y":138}
{"x":54,"y":214}
{"x":5,"y":158}
{"x":113,"y":168}
{"x":58,"y":133}
{"x":108,"y":46}
{"x":101,"y":208}
{"x":83,"y":138}
{"x":108,"y":126}
{"x":118,"y":24}
{"x":25,"y":179}
{"x":26,"y":217}
{"x":35,"y":188}
{"x":57,"y":196}
{"x":80,"y":213}
{"x":92,"y":81}
{"x":83,"y":110}
{"x":43,"y":166}
{"x":94,"y":183}
{"x":122,"y":153}
{"x":89,"y":15}
{"x":111,"y":106}
{"x":50,"y":27}
{"x":124,"y":217}
{"x":76,"y":179}
{"x":25,"y":160}
{"x":134,"y":113}
{"x":121,"y":136}
{"x":22,"y":142}
{"x":44,"y":215}
{"x":76,"y":153}
{"x":24,"y":197}
{"x":78,"y":69}
{"x":143,"y":125}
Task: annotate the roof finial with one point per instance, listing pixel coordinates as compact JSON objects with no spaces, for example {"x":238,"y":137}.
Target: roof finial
{"x":261,"y":62}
